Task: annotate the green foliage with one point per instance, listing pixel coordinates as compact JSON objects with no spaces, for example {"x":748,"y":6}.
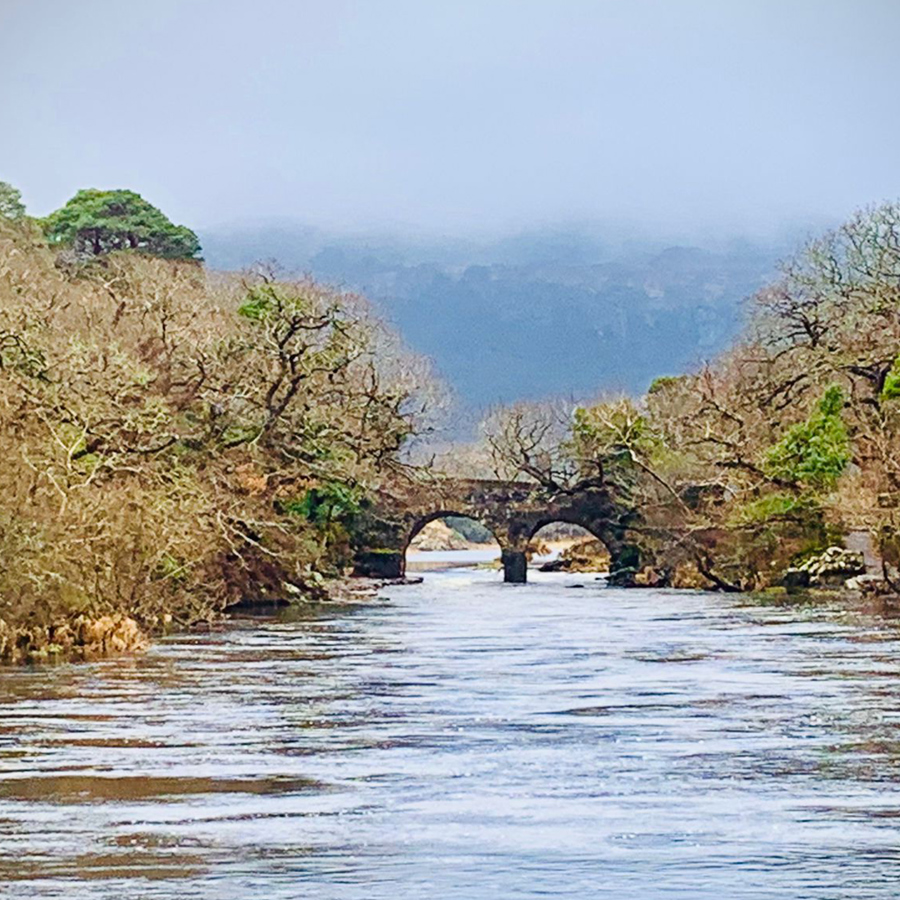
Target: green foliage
{"x":272,"y":304}
{"x":891,"y":389}
{"x":11,"y":206}
{"x":772,"y":507}
{"x":258,"y":305}
{"x":663,"y":382}
{"x":617,"y":428}
{"x":816,"y":452}
{"x":614,"y":438}
{"x":239,"y":433}
{"x":169,"y":567}
{"x":331,"y":509}
{"x":470,"y":529}
{"x":773,"y":531}
{"x":330,"y":502}
{"x":96,"y":222}
{"x":16,"y":354}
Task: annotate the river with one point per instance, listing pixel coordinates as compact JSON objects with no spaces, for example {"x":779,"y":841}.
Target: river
{"x":466,"y":739}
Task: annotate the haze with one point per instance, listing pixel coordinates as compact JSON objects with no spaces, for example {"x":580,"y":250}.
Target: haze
{"x":456,"y":117}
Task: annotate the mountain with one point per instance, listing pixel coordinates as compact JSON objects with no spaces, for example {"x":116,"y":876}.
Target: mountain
{"x":554,"y":312}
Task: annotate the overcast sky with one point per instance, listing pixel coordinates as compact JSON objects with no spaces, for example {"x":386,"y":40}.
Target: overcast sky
{"x":457,"y":115}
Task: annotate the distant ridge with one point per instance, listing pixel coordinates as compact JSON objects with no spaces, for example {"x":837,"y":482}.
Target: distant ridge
{"x":553,"y":312}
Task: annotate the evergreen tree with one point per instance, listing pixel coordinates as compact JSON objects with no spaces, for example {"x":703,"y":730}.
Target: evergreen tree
{"x":96,"y":222}
{"x":11,"y":206}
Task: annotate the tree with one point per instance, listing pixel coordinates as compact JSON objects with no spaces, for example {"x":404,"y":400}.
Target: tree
{"x":816,"y":452}
{"x":96,"y":222}
{"x":834,"y":314}
{"x":11,"y":206}
{"x":172,"y":442}
{"x":528,"y":441}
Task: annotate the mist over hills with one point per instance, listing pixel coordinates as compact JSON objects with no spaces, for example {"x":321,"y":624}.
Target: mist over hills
{"x":571,"y":312}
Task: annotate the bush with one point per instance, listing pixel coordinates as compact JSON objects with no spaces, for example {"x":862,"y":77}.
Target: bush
{"x":470,"y":529}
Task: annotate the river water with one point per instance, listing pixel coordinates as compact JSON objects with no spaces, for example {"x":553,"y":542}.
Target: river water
{"x":466,"y":739}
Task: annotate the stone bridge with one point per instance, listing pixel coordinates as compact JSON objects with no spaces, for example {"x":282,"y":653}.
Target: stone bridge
{"x":511,"y":510}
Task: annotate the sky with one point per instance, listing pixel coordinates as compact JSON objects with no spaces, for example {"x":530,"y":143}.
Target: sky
{"x":456,"y":115}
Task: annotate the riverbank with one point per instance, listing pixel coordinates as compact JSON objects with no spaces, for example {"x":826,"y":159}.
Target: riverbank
{"x":829,"y":576}
{"x":77,"y":639}
{"x":84,"y":638}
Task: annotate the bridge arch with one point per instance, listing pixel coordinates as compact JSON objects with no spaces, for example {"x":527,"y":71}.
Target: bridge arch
{"x":624,"y":555}
{"x":563,"y":519}
{"x":415,"y":527}
{"x":579,"y":530}
{"x":426,"y":519}
{"x":555,"y":531}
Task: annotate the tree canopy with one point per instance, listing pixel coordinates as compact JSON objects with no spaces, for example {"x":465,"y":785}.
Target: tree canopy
{"x":96,"y":222}
{"x":815,"y":452}
{"x":167,"y":437}
{"x":11,"y":206}
{"x":766,"y":456}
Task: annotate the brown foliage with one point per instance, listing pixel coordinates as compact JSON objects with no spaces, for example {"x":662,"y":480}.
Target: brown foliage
{"x":713,"y":463}
{"x":153,"y":415}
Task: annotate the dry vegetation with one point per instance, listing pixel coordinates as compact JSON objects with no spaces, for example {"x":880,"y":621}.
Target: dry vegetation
{"x":171,"y":440}
{"x":770,"y":453}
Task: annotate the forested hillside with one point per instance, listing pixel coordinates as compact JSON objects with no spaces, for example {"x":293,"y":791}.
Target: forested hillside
{"x":552,"y":312}
{"x":752,"y":470}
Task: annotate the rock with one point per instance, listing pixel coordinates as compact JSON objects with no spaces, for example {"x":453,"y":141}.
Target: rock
{"x":696,"y":496}
{"x":438,"y":536}
{"x":589,"y":555}
{"x":63,"y":637}
{"x":110,"y":635}
{"x":831,"y":568}
{"x":868,"y":584}
{"x":622,"y":577}
{"x":379,"y":564}
{"x":687,"y":576}
{"x":79,"y":638}
{"x":795,"y":579}
{"x":650,"y":576}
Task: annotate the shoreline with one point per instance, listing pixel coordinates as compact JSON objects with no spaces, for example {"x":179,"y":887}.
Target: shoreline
{"x":83,"y":638}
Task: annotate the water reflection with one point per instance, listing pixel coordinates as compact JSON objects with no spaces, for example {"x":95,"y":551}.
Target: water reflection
{"x":467,"y":739}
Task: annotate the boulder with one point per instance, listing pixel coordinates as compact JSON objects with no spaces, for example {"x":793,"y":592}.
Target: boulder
{"x":868,"y":584}
{"x":589,"y":555}
{"x":79,"y":638}
{"x":831,"y":568}
{"x":650,"y":576}
{"x":384,"y":563}
{"x":687,"y":576}
{"x":795,"y":579}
